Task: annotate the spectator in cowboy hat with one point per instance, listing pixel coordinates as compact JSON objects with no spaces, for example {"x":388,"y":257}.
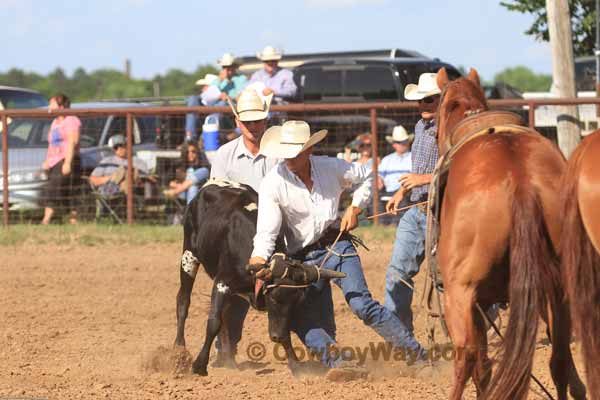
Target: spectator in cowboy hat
{"x":277,"y":81}
{"x":392,"y":167}
{"x":229,"y":82}
{"x":209,"y":95}
{"x":361,"y":145}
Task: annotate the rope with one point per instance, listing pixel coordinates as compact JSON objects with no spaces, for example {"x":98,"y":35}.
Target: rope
{"x":287,"y":286}
{"x":396,"y":210}
{"x":489,"y":320}
{"x":339,"y":254}
{"x":329,"y":251}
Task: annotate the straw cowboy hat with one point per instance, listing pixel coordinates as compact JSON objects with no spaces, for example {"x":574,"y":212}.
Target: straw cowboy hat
{"x":289,"y":139}
{"x":251,"y":106}
{"x":399,"y":134}
{"x":427,"y":87}
{"x":207,"y":80}
{"x":269,"y":53}
{"x":227,"y":60}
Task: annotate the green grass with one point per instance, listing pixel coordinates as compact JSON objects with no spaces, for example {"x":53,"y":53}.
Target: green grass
{"x":89,"y":234}
{"x":372,"y":234}
{"x":99,"y":234}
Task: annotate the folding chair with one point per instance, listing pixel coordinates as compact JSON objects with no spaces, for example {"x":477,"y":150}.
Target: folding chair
{"x":103,"y":203}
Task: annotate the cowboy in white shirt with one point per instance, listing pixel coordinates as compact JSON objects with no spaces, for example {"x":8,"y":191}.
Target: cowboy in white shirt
{"x":301,"y":197}
{"x":240,"y":161}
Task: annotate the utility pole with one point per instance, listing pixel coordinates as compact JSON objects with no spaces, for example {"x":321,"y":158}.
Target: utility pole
{"x":128,"y":68}
{"x":563,"y":73}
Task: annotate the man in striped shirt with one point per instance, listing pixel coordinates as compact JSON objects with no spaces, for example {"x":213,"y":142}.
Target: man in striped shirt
{"x":409,"y":245}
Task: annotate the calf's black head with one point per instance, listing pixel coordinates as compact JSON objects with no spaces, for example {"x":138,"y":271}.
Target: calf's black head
{"x":284,"y":292}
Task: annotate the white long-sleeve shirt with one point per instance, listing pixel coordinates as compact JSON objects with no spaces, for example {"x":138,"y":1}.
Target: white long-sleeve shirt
{"x":284,"y":201}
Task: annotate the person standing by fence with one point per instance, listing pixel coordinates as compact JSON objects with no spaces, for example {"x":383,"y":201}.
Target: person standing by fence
{"x":62,"y":164}
{"x":392,"y":168}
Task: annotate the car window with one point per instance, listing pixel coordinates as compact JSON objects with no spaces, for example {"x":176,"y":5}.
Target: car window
{"x":370,"y":83}
{"x":585,"y":75}
{"x":317,"y":83}
{"x":17,"y":99}
{"x":91,"y":131}
{"x":28,"y":133}
{"x":147,"y":127}
{"x":118,"y":126}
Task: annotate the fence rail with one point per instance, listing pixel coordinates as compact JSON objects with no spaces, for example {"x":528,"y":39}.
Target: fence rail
{"x":346,"y":120}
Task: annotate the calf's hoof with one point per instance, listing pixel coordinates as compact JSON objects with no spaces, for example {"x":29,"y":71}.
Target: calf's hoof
{"x":199,"y":370}
{"x":224,"y":360}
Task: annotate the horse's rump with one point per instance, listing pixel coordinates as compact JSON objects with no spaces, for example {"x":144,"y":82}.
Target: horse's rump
{"x":580,"y":258}
{"x":501,"y":193}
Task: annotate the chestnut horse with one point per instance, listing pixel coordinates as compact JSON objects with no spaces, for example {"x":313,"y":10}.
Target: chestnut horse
{"x":499,"y":231}
{"x":580,"y":251}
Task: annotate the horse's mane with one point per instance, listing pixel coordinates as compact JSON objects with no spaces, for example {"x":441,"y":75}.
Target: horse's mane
{"x":469,"y":91}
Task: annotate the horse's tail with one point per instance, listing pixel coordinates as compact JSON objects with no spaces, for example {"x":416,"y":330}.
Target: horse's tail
{"x":581,"y":272}
{"x":533,"y":274}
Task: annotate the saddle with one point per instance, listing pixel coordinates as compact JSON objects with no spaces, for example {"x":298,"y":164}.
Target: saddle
{"x":481,"y":124}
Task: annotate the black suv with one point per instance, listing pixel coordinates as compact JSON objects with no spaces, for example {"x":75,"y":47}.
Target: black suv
{"x":362,"y":79}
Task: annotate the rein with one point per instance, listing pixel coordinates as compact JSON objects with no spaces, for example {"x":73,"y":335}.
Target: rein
{"x":497,"y":330}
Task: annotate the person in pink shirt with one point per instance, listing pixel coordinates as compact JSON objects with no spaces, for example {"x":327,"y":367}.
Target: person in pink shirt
{"x":62,"y":163}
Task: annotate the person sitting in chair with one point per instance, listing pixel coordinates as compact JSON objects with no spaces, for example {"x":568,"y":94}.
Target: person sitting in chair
{"x":109,"y":177}
{"x":189,"y":180}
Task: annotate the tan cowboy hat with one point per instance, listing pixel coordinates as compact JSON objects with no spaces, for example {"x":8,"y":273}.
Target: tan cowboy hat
{"x":289,"y":139}
{"x":427,"y":87}
{"x":207,"y":80}
{"x":251,"y":106}
{"x":399,"y":134}
{"x":227,"y":60}
{"x":269,"y":53}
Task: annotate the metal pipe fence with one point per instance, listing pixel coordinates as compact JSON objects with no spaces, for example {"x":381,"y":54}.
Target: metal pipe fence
{"x":154,"y":135}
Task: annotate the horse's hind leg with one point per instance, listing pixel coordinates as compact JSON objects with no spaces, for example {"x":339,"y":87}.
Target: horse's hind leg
{"x":459,"y":308}
{"x":187,"y":276}
{"x":483,"y":366}
{"x":562,"y":366}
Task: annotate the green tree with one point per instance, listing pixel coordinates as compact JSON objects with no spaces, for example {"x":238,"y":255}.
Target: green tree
{"x":524,"y":79}
{"x":583,"y":22}
{"x":105,"y":83}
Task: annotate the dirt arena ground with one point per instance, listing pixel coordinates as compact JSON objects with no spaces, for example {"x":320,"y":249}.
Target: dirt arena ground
{"x":86,"y":322}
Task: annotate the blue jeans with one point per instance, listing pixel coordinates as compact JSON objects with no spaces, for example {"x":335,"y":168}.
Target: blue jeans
{"x":316,"y":325}
{"x":407,"y":255}
{"x":197,"y":176}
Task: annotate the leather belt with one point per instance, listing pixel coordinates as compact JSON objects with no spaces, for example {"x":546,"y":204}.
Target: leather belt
{"x":326,"y":239}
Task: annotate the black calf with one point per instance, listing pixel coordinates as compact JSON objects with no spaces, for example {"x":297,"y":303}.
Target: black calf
{"x":219,"y":226}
